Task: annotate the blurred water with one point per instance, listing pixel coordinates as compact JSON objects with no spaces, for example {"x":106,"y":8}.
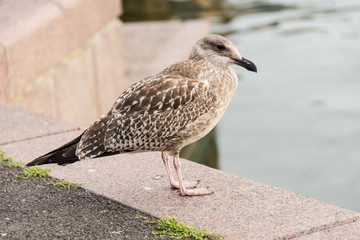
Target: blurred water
{"x":295,"y":124}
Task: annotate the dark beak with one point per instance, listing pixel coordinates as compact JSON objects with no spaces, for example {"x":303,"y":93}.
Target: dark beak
{"x":249,"y":65}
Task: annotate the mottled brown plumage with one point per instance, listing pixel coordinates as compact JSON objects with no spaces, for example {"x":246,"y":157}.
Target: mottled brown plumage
{"x":164,"y":112}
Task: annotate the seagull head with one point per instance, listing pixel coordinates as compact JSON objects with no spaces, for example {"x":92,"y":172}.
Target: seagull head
{"x":221,"y":52}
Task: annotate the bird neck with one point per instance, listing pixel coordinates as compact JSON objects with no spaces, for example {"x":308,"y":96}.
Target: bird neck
{"x":222,"y":79}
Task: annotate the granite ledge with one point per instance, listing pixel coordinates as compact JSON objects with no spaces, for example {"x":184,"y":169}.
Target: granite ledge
{"x":240,"y":208}
{"x":18,"y":125}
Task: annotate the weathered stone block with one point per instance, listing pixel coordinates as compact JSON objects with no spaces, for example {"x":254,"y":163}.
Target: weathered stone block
{"x":75,"y":90}
{"x":109,"y":65}
{"x":39,"y":98}
{"x":3,"y":77}
{"x":38,"y":34}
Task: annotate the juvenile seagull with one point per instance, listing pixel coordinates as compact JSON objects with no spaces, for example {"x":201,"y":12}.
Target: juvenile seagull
{"x":164,"y":112}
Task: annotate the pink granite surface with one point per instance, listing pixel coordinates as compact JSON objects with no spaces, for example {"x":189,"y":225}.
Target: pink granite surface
{"x":349,"y":231}
{"x":17,"y":124}
{"x":240,"y":208}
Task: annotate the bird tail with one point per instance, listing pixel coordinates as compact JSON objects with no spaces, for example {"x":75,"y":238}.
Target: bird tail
{"x":62,"y":155}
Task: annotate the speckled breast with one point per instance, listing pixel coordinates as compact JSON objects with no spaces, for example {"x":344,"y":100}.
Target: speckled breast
{"x":222,"y":89}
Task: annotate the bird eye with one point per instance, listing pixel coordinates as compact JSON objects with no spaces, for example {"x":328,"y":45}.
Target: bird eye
{"x":220,"y":47}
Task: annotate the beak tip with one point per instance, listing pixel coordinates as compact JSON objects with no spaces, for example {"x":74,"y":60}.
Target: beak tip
{"x":251,"y":67}
{"x":245,"y":63}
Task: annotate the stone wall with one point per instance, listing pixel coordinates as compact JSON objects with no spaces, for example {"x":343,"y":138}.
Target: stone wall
{"x":58,"y":57}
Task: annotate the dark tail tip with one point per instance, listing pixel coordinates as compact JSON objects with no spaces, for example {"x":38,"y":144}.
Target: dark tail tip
{"x":39,"y":161}
{"x":62,"y":155}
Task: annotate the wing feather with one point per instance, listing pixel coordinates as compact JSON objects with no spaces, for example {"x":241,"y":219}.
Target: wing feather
{"x":148,"y":116}
{"x":157,"y":113}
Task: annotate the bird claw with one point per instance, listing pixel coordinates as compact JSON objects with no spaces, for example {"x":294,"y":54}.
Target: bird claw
{"x":187,"y":184}
{"x":196,"y":192}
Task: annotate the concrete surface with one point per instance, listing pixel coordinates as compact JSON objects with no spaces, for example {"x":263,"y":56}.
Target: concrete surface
{"x":240,"y":208}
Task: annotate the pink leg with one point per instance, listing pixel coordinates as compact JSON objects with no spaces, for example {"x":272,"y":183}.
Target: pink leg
{"x":173,"y":183}
{"x":184,"y":191}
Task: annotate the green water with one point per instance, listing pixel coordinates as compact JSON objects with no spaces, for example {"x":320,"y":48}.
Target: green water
{"x":295,"y":124}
